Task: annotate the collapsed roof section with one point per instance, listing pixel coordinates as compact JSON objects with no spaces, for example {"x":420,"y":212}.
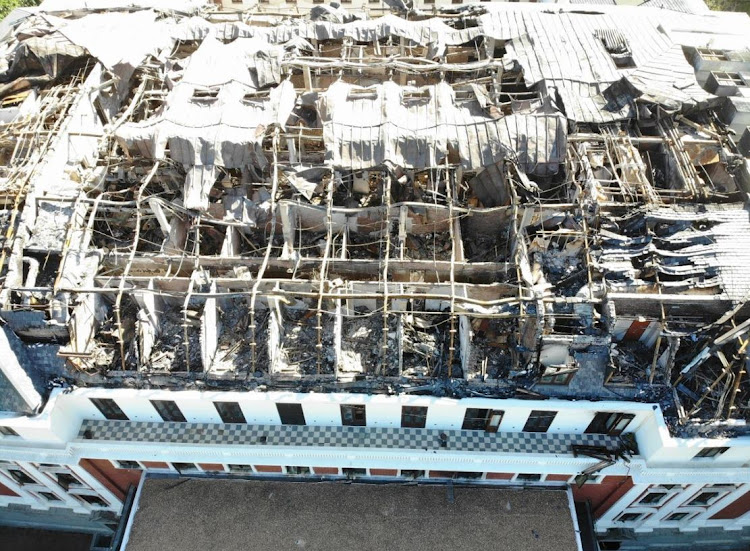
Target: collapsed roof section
{"x":514,"y":201}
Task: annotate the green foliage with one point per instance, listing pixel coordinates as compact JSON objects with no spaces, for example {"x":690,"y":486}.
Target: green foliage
{"x":729,"y":5}
{"x":7,"y":6}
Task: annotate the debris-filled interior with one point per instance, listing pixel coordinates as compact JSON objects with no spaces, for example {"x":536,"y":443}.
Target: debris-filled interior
{"x":500,"y":201}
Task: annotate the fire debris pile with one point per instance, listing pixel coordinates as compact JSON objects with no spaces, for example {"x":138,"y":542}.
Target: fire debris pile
{"x":510,"y":199}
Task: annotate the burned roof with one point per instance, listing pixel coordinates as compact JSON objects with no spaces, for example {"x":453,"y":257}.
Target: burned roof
{"x":503,"y":200}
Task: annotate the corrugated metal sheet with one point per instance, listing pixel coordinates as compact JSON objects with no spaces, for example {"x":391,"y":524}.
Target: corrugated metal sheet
{"x":415,"y":127}
{"x":719,"y":252}
{"x":563,"y":53}
{"x":209,"y":118}
{"x":685,"y":6}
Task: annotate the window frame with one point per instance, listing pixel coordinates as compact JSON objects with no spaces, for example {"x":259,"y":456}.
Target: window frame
{"x":353,"y":415}
{"x":639,"y":515}
{"x":45,"y":494}
{"x":118,"y":464}
{"x":540,"y":420}
{"x":612,"y":423}
{"x":711,"y":452}
{"x":663,"y":498}
{"x":288,"y":407}
{"x":9,"y":473}
{"x":414,"y":417}
{"x":489,"y":422}
{"x":169,"y":411}
{"x":687,"y":515}
{"x":74,"y":484}
{"x":233,"y":413}
{"x":187,"y":469}
{"x":94,"y":496}
{"x":728,"y":78}
{"x":240,"y":468}
{"x":110,"y":409}
{"x":691,"y":502}
{"x":709,"y":54}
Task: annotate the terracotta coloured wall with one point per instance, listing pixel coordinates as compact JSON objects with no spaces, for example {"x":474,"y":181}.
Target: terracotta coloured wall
{"x":155,"y":465}
{"x":5,"y":491}
{"x":605,"y":494}
{"x":115,"y":480}
{"x":499,"y":476}
{"x":734,"y":510}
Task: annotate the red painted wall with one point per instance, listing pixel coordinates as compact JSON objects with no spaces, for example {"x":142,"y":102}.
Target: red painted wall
{"x":155,"y":465}
{"x":499,"y":476}
{"x":557,"y":477}
{"x":115,"y":480}
{"x":603,"y":495}
{"x":383,"y":472}
{"x":734,"y":510}
{"x":268,"y":468}
{"x":5,"y":491}
{"x":325,"y":470}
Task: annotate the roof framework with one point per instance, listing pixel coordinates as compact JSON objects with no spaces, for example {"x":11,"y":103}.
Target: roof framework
{"x":497,"y":201}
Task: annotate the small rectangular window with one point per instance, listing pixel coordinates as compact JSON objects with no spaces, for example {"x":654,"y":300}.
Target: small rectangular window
{"x":529,"y":477}
{"x":677,"y":516}
{"x":128,"y":465}
{"x":653,"y":498}
{"x":729,"y":79}
{"x":185,"y":467}
{"x":353,"y":473}
{"x":411,"y":475}
{"x":298,"y":470}
{"x":168,"y":410}
{"x":230,"y":412}
{"x":609,"y":423}
{"x":704,"y":498}
{"x":109,"y":409}
{"x":710,"y":452}
{"x":93,"y":500}
{"x":469,"y":474}
{"x":712,"y":55}
{"x":240,"y":468}
{"x":353,"y":415}
{"x":475,"y":419}
{"x":539,"y":421}
{"x":413,"y":416}
{"x":67,"y":481}
{"x":482,"y":419}
{"x":291,"y":414}
{"x":49,"y":496}
{"x":205,"y":96}
{"x":630,"y":517}
{"x":7,"y":431}
{"x":557,"y":376}
{"x":21,"y":477}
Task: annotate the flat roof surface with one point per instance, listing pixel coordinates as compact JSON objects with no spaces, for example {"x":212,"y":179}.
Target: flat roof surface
{"x":199,"y":514}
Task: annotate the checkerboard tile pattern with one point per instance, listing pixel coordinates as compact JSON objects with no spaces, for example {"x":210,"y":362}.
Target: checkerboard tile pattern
{"x":339,"y":437}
